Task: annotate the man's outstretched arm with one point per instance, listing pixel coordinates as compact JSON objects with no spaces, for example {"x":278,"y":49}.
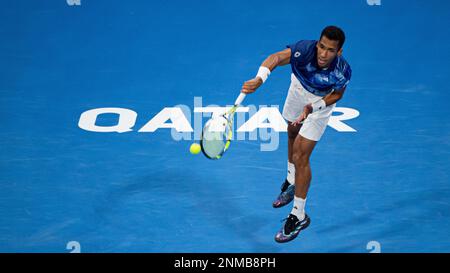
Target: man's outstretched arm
{"x":270,"y":63}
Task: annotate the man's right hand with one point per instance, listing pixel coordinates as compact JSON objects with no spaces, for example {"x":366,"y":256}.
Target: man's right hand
{"x":251,"y":85}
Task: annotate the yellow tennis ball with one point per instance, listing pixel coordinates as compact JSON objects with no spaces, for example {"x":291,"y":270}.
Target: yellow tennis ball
{"x":195,"y":148}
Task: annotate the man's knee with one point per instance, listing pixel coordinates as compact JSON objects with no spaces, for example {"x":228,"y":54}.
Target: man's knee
{"x":300,"y":159}
{"x":293,"y":130}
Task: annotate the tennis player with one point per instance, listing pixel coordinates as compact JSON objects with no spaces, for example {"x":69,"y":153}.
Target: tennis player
{"x":319,"y":77}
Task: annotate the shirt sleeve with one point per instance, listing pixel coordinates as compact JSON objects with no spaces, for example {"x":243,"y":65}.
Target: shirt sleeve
{"x":343,"y":77}
{"x":298,"y":49}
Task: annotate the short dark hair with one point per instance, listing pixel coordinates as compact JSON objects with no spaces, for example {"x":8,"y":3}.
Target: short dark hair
{"x":334,"y":33}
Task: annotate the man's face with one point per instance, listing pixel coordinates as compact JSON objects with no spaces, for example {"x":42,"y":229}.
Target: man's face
{"x":327,"y":50}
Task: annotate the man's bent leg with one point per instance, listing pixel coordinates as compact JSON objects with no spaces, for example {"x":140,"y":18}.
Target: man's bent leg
{"x":292,"y":132}
{"x":303,"y":148}
{"x":288,"y":186}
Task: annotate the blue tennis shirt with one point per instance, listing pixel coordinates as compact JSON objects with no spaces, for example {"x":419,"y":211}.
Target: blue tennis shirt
{"x":314,"y":79}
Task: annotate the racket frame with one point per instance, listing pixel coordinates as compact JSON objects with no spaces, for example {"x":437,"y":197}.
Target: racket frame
{"x":228,"y":135}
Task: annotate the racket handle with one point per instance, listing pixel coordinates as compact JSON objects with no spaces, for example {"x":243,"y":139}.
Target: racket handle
{"x":239,"y":99}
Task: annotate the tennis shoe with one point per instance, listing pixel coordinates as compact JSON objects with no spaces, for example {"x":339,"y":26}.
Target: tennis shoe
{"x":286,"y":195}
{"x":291,"y":228}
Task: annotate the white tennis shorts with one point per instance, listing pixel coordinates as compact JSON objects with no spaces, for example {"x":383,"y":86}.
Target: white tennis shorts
{"x":316,"y":123}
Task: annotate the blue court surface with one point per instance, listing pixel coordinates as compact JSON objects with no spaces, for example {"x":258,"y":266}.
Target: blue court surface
{"x":380,"y":181}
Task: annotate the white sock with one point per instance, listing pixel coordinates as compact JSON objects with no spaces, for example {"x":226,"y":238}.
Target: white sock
{"x":299,"y":208}
{"x":291,"y":173}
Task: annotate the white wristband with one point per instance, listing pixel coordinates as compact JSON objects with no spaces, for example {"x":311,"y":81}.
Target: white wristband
{"x":263,"y":73}
{"x":319,"y":105}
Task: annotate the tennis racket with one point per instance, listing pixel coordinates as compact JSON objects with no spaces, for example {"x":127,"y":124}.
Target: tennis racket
{"x":218,"y":132}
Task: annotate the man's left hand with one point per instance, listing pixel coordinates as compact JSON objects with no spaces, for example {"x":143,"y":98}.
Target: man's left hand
{"x":306,"y":111}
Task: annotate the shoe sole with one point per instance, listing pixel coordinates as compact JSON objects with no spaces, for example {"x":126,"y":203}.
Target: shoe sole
{"x":282,"y":205}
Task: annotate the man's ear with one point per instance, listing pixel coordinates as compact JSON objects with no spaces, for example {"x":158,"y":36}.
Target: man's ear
{"x":340,"y":52}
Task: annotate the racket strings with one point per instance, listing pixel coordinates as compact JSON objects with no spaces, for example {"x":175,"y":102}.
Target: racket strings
{"x":217,"y":135}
